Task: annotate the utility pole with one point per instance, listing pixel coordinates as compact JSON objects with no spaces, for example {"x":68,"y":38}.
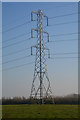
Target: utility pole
{"x":39,"y":89}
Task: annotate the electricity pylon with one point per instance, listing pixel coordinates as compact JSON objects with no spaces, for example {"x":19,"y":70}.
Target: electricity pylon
{"x":41,"y":84}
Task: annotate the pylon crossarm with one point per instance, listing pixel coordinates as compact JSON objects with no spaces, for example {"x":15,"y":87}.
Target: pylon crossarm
{"x":47,"y":35}
{"x":33,"y":29}
{"x":32,"y":47}
{"x":33,"y":12}
{"x":46,"y":18}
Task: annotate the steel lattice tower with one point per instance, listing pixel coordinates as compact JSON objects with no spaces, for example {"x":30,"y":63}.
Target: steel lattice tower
{"x":40,"y":73}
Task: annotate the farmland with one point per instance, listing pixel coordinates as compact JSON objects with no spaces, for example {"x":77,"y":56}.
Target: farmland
{"x":40,"y":111}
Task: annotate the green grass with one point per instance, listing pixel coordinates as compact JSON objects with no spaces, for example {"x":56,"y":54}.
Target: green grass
{"x":40,"y":111}
{"x":0,"y":111}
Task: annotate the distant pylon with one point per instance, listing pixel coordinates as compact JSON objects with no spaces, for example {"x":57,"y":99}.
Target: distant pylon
{"x":41,"y":85}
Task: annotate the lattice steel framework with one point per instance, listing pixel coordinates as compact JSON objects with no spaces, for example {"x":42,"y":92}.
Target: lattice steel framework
{"x":40,"y":90}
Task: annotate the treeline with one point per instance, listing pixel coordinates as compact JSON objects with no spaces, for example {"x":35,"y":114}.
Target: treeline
{"x":0,"y":101}
{"x":71,"y":99}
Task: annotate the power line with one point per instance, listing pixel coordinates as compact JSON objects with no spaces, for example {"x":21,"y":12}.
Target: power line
{"x":62,"y":6}
{"x":29,"y":14}
{"x":45,"y":43}
{"x":63,"y":15}
{"x":45,"y":36}
{"x":65,"y":23}
{"x":33,"y":62}
{"x":71,"y":22}
{"x":20,"y":58}
{"x":16,"y":52}
{"x":29,"y":56}
{"x":29,"y":33}
{"x":16,"y":37}
{"x":51,"y":54}
{"x":16,"y":20}
{"x":64,"y":40}
{"x":49,"y":26}
{"x":19,"y":42}
{"x":65,"y":53}
{"x":49,"y":18}
{"x":16,"y":27}
{"x":64,"y":34}
{"x":64,"y":57}
{"x":17,"y":66}
{"x":50,"y":57}
{"x":30,"y":21}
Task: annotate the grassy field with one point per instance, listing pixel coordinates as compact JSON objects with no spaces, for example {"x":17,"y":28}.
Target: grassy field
{"x":40,"y":111}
